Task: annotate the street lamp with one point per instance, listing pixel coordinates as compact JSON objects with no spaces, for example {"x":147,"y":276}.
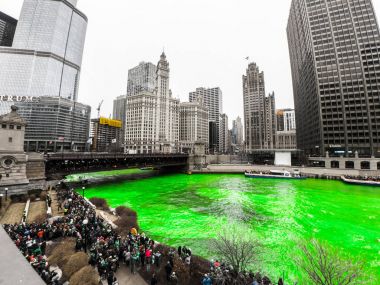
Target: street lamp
{"x":1,"y":200}
{"x":85,"y":222}
{"x":83,"y":188}
{"x":6,"y":194}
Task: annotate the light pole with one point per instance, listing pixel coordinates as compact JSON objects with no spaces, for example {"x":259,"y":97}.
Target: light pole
{"x":83,"y":188}
{"x":1,"y":201}
{"x":85,"y":222}
{"x":6,"y":194}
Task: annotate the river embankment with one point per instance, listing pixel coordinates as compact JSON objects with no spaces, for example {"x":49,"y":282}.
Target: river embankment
{"x":312,"y":172}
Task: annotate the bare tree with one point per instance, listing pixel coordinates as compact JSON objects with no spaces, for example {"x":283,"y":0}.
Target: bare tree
{"x":236,"y":247}
{"x":326,"y":266}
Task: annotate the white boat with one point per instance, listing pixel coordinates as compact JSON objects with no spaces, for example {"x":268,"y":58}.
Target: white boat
{"x":275,"y":174}
{"x":360,"y":182}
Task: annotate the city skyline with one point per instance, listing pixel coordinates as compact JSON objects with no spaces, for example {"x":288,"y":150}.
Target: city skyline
{"x":203,"y":47}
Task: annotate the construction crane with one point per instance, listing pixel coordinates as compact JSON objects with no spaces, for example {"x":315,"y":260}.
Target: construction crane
{"x":98,"y":109}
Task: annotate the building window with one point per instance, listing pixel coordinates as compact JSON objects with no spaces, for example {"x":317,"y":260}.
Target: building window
{"x":4,"y":126}
{"x":19,"y":127}
{"x":11,"y":127}
{"x":10,"y":140}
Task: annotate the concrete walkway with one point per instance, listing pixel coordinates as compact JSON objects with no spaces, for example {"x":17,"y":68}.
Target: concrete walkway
{"x":125,"y":277}
{"x":14,"y":268}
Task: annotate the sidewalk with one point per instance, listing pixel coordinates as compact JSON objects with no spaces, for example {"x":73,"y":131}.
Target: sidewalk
{"x":125,"y":277}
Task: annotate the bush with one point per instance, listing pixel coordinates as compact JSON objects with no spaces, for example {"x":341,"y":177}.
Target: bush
{"x":62,"y":252}
{"x":40,"y":219}
{"x":124,"y":211}
{"x":43,"y":195}
{"x":126,"y":223}
{"x":99,"y":203}
{"x":85,"y":276}
{"x":35,"y":192}
{"x":19,"y":198}
{"x":74,"y":263}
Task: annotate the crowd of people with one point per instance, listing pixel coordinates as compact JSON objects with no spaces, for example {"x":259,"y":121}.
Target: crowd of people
{"x":222,"y":274}
{"x":94,"y":235}
{"x":106,"y":248}
{"x":364,"y":178}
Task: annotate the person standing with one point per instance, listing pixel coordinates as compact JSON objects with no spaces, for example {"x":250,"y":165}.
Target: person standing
{"x":168,"y":270}
{"x":154,"y":280}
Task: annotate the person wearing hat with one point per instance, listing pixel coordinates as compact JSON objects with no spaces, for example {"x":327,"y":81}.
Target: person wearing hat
{"x":206,"y":280}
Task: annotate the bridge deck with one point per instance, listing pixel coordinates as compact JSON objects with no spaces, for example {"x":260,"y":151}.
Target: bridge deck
{"x":104,"y":155}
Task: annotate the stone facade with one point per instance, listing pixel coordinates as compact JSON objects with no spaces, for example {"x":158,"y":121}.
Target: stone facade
{"x":152,"y":118}
{"x":259,"y":111}
{"x":19,"y":171}
{"x":193,"y":125}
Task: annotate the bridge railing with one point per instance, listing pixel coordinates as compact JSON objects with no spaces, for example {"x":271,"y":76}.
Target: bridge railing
{"x":105,"y":155}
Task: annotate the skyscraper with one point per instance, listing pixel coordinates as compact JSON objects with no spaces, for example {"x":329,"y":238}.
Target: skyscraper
{"x":212,"y":99}
{"x":152,"y":118}
{"x":270,"y":121}
{"x":7,"y":29}
{"x":193,"y":125}
{"x":334,"y":50}
{"x":141,"y":78}
{"x":286,"y":120}
{"x":237,"y":132}
{"x":119,"y":112}
{"x":55,"y":124}
{"x":46,"y":56}
{"x":259,"y":111}
{"x":224,"y":146}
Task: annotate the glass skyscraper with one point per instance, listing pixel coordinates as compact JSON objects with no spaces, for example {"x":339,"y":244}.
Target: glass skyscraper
{"x":334,"y":48}
{"x":46,"y":56}
{"x":7,"y":29}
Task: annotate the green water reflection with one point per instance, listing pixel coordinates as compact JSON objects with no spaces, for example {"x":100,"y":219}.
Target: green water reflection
{"x":189,"y":209}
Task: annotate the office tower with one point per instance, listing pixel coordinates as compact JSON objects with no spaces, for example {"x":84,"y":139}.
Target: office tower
{"x":270,"y":121}
{"x":213,"y":137}
{"x":237,"y":132}
{"x":46,"y":56}
{"x":152,"y":118}
{"x":334,"y":50}
{"x":286,"y":120}
{"x":223,"y":134}
{"x":106,"y":135}
{"x":119,"y":112}
{"x":286,"y":129}
{"x":193,"y":125}
{"x":212,"y":99}
{"x":7,"y":29}
{"x":54,"y":124}
{"x":259,"y":111}
{"x":141,"y":78}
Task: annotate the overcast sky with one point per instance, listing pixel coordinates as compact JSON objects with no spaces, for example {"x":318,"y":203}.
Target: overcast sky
{"x":206,"y":42}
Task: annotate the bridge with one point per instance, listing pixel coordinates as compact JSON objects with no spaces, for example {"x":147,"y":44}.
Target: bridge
{"x":60,"y":164}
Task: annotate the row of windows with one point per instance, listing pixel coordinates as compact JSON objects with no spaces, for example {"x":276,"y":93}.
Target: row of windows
{"x":10,"y":127}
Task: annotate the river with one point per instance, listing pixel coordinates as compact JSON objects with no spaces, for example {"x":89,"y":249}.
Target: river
{"x":189,"y":210}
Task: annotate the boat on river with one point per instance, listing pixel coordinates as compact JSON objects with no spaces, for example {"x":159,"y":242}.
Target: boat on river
{"x":147,"y":168}
{"x":275,"y":174}
{"x":360,"y":182}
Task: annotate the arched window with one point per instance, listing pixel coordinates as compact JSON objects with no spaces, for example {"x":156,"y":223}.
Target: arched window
{"x":334,"y":164}
{"x":350,"y":165}
{"x":365,"y":165}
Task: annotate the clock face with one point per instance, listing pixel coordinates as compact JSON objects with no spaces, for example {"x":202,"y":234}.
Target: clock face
{"x":8,"y":162}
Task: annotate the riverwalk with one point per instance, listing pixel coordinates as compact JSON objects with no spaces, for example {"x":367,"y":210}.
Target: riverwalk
{"x":314,"y":172}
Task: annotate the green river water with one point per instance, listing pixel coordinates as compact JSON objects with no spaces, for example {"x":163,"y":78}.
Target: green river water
{"x":189,"y":210}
